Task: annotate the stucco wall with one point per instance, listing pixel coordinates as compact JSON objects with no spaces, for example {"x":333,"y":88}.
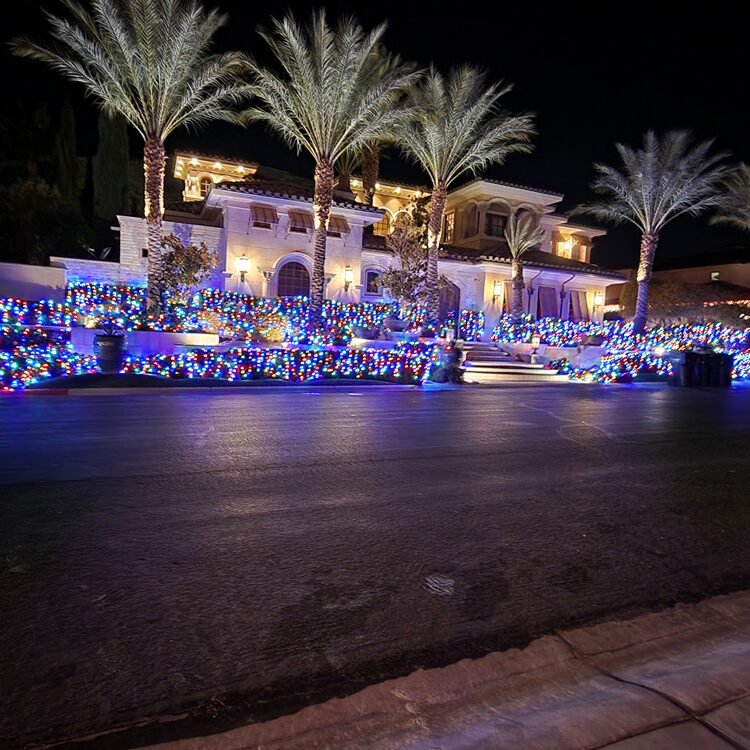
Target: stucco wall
{"x":32,"y":282}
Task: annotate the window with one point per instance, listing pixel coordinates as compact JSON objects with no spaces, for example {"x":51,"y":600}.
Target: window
{"x":205,"y":185}
{"x":494,"y":225}
{"x":449,"y":225}
{"x":264,"y":217}
{"x":300,"y":221}
{"x":383,"y":227}
{"x":294,"y":280}
{"x":372,"y":282}
{"x":337,"y":226}
{"x":144,"y":252}
{"x":565,"y":248}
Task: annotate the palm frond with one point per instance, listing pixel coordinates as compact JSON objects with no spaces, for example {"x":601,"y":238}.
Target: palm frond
{"x":332,"y":93}
{"x":148,"y":60}
{"x":522,"y":234}
{"x":735,"y":205}
{"x":456,"y":125}
{"x":666,"y":178}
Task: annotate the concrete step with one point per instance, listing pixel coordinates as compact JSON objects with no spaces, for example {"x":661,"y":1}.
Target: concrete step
{"x":510,"y":365}
{"x":505,"y":371}
{"x":483,"y":376}
{"x":490,"y":357}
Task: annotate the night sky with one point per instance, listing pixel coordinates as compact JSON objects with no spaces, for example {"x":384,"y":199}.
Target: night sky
{"x":591,"y":79}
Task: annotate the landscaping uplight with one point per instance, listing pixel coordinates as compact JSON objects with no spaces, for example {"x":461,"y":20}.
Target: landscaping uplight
{"x":243,"y":266}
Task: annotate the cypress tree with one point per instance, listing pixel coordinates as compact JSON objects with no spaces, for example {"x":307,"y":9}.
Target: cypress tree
{"x":110,"y":168}
{"x":65,"y":154}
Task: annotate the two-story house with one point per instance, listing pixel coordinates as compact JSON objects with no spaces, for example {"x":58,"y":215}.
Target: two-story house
{"x":262,"y":230}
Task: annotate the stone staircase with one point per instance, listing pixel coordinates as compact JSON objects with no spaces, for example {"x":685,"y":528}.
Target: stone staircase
{"x":485,"y":363}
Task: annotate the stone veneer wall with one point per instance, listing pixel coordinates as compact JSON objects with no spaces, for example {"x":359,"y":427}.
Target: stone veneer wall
{"x":133,"y":267}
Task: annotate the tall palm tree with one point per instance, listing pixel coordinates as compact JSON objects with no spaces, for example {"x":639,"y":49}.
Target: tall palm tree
{"x":330,"y":97}
{"x":149,"y":61}
{"x":665,"y":179}
{"x":522,"y":235}
{"x":735,"y":208}
{"x":457,"y":128}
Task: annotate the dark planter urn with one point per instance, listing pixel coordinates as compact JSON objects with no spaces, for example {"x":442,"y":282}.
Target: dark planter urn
{"x":109,"y":352}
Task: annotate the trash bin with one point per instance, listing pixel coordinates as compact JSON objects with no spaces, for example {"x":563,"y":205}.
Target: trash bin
{"x":703,"y":368}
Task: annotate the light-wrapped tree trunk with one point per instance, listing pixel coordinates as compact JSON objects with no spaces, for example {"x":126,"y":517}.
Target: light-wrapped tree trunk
{"x":516,"y":275}
{"x":643,"y":277}
{"x":154,"y":160}
{"x":322,"y":201}
{"x":434,"y":229}
{"x":370,"y":171}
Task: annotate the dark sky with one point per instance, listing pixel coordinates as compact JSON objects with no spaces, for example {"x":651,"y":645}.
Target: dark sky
{"x":594,"y":74}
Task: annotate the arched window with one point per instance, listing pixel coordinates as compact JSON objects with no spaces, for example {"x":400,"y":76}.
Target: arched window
{"x":294,"y":280}
{"x":383,"y":227}
{"x":372,"y":282}
{"x":205,"y":185}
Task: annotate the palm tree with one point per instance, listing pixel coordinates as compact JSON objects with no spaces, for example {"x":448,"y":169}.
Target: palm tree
{"x":521,"y":235}
{"x":665,"y":179}
{"x":735,"y":208}
{"x":457,"y":128}
{"x":329,"y":98}
{"x":149,"y":61}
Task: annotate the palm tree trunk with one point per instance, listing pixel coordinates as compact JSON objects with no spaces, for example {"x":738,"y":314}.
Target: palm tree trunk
{"x":648,"y":249}
{"x":370,"y":171}
{"x":344,"y":182}
{"x":322,"y":211}
{"x":154,"y":160}
{"x":516,"y":275}
{"x":434,"y":227}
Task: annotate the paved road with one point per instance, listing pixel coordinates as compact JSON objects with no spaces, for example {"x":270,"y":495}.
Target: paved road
{"x":232,"y":556}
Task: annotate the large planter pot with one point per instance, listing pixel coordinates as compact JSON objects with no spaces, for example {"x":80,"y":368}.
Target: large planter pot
{"x":109,"y":351}
{"x":396,"y":324}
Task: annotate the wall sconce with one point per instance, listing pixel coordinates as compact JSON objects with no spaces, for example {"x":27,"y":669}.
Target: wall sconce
{"x":348,"y":278}
{"x":497,"y":291}
{"x":598,"y":300}
{"x":536,"y":342}
{"x":242,"y":264}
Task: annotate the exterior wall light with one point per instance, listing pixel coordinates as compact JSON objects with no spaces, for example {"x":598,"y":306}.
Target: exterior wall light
{"x":598,"y":300}
{"x":243,"y":266}
{"x":497,"y":291}
{"x":536,"y":342}
{"x":348,"y":278}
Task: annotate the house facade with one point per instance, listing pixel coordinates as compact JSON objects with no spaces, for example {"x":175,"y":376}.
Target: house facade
{"x":262,"y":230}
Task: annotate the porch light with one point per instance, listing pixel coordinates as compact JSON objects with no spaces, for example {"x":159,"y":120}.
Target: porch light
{"x":497,"y":291}
{"x":217,"y":165}
{"x":242,"y":264}
{"x":398,"y":189}
{"x":193,"y":161}
{"x":598,"y":299}
{"x":348,"y":278}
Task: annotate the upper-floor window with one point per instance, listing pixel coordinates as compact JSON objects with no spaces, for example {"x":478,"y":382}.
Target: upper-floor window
{"x":300,"y":221}
{"x":205,"y":185}
{"x":494,"y":225}
{"x":337,"y":226}
{"x":383,"y":227}
{"x":449,"y":226}
{"x":564,"y":248}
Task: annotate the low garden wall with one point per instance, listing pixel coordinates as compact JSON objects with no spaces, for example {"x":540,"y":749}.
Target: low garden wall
{"x":26,"y":282}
